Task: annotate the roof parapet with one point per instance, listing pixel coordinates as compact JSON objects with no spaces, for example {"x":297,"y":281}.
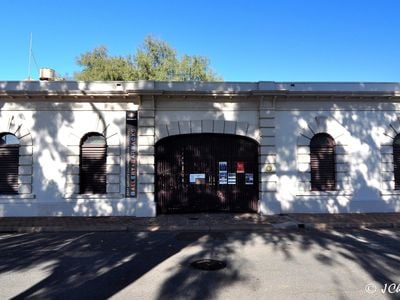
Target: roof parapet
{"x":194,"y":87}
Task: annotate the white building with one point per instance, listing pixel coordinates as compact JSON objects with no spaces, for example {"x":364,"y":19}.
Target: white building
{"x":144,"y":148}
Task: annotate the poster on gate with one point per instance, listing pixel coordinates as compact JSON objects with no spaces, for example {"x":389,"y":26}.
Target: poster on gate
{"x":223,"y":166}
{"x":240,"y":167}
{"x":197,"y":178}
{"x":231,"y":178}
{"x":223,"y":172}
{"x":249,"y":178}
{"x":223,"y":178}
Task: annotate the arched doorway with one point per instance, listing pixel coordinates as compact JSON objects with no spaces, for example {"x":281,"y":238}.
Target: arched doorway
{"x":206,"y":173}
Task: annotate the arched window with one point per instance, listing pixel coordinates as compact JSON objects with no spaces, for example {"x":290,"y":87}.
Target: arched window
{"x":92,"y":167}
{"x":396,"y":161}
{"x":9,"y":160}
{"x":323,"y":173}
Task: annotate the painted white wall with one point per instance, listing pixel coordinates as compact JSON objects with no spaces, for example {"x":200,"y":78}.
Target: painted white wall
{"x":51,"y":126}
{"x":164,"y":117}
{"x":363,"y":123}
{"x":189,"y":109}
{"x":363,"y":127}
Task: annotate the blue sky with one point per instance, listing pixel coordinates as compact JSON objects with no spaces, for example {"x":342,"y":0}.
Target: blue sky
{"x":303,"y":40}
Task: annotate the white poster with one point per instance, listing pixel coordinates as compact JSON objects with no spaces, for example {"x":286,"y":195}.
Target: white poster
{"x":223,"y":178}
{"x":197,"y":178}
{"x":231,"y":178}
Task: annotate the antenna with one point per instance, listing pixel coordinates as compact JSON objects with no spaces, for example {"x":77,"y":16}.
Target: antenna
{"x":29,"y":57}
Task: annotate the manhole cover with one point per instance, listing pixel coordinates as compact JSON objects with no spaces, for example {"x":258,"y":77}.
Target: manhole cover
{"x":208,"y":264}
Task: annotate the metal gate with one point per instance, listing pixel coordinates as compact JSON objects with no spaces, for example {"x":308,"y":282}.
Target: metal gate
{"x":206,"y":173}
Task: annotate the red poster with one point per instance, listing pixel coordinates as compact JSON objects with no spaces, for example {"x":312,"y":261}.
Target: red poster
{"x":239,"y":167}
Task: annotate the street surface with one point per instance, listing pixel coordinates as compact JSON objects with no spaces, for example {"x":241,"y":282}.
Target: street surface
{"x":280,"y":264}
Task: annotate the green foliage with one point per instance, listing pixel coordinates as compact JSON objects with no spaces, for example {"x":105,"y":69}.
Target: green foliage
{"x":196,"y":68}
{"x":154,"y":60}
{"x":98,"y":65}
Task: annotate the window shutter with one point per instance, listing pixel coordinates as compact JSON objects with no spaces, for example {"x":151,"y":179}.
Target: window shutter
{"x":9,"y":160}
{"x":323,"y":173}
{"x":93,"y":156}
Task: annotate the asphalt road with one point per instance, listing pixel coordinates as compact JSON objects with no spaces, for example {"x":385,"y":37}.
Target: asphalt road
{"x":301,"y":264}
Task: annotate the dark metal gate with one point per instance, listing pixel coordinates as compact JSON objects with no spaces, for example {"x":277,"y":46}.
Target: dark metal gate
{"x":206,"y":173}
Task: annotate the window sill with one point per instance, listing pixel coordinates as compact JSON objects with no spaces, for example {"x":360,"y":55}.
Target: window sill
{"x":94,"y":196}
{"x":390,"y":193}
{"x":17,"y":197}
{"x":324,"y":193}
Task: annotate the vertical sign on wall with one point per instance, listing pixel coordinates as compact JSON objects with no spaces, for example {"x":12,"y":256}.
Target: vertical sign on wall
{"x":131,"y":142}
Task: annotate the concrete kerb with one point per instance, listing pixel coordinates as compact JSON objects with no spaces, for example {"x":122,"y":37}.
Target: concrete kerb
{"x":38,"y":229}
{"x":325,"y":226}
{"x":153,"y":228}
{"x":225,"y":228}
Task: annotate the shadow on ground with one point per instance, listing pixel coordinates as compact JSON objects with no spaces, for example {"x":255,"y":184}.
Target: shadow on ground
{"x":99,"y":265}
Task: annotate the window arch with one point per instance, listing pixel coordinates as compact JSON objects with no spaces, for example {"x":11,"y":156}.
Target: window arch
{"x":396,"y":161}
{"x":9,"y":161}
{"x":92,"y":164}
{"x":322,"y":162}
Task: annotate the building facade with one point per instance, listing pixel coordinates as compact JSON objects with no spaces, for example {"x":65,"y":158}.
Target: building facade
{"x":144,"y":148}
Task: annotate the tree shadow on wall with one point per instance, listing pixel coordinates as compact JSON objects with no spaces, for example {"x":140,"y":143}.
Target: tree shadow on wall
{"x":50,"y":119}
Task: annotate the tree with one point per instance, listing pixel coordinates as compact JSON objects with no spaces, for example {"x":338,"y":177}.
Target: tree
{"x":98,"y":65}
{"x":156,"y":60}
{"x":196,"y":68}
{"x":153,"y":60}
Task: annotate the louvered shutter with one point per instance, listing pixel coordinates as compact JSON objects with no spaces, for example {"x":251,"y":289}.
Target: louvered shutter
{"x":93,"y":168}
{"x":396,"y":162}
{"x":9,"y":156}
{"x":323,"y":173}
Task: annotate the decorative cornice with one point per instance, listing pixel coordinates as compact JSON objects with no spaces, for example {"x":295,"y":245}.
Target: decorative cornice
{"x":131,"y":90}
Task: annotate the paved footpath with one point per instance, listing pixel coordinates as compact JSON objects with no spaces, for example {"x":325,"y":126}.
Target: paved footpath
{"x":200,"y":222}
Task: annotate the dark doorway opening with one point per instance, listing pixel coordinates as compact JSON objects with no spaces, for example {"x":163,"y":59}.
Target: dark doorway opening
{"x":206,"y":173}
